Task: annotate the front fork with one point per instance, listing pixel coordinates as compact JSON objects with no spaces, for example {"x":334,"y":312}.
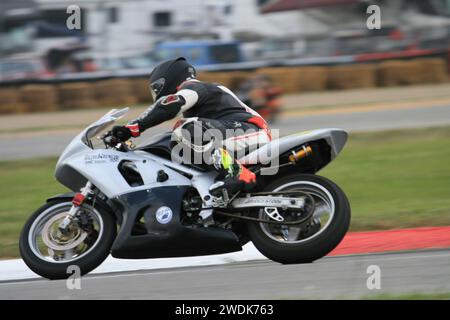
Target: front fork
{"x":77,"y":201}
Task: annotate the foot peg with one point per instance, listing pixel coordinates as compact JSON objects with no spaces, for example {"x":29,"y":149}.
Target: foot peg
{"x":273,"y":213}
{"x":216,"y":188}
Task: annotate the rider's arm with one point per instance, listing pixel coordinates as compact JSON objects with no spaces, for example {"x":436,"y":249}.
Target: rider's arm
{"x":164,"y":109}
{"x":167,"y":107}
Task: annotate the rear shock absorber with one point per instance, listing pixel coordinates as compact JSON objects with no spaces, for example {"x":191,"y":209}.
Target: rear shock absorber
{"x":304,"y":152}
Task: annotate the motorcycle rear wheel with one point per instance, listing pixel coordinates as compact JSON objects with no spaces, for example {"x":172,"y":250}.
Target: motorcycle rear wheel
{"x":310,"y":241}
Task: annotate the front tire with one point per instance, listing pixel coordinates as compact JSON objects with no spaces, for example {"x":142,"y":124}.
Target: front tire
{"x":320,"y":241}
{"x":53,"y":262}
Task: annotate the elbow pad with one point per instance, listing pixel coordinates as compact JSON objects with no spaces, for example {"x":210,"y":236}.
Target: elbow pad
{"x":164,"y":109}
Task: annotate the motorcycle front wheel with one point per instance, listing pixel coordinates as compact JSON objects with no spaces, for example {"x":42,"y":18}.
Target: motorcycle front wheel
{"x":54,"y":255}
{"x":313,"y":239}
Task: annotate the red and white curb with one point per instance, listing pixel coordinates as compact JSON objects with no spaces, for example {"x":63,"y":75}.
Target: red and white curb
{"x":394,"y":240}
{"x":353,"y":243}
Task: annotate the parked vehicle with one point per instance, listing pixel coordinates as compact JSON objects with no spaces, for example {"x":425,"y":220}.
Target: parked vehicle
{"x":200,"y":52}
{"x":18,"y":69}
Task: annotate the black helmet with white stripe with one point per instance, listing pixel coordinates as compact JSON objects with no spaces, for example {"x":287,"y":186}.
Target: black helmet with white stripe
{"x":168,"y":75}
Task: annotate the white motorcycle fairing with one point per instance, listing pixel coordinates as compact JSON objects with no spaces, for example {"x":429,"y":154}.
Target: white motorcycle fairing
{"x":335,"y":139}
{"x":158,"y":201}
{"x":79,"y":163}
{"x":166,"y":237}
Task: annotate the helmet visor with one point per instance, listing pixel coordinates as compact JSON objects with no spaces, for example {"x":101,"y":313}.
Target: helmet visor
{"x":156,"y":87}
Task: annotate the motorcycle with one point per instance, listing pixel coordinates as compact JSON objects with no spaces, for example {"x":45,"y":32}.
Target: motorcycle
{"x":138,"y":203}
{"x":260,"y":94}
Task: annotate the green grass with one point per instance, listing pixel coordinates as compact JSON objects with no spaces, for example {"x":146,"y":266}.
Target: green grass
{"x":393,"y":179}
{"x":24,"y":186}
{"x":387,"y":296}
{"x":410,"y":296}
{"x":396,"y":179}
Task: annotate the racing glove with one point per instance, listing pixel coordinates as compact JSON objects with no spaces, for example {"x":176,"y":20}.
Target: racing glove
{"x":124,"y":133}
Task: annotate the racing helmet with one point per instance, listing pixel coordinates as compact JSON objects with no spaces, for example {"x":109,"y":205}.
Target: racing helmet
{"x":168,"y":75}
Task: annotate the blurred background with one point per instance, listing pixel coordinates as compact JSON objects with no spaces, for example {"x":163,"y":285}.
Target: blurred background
{"x":303,"y":64}
{"x":299,"y":45}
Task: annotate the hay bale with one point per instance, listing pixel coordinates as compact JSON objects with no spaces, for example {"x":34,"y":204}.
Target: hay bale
{"x":352,"y":76}
{"x":287,"y":79}
{"x":206,"y":76}
{"x":39,"y":97}
{"x":312,"y":78}
{"x":77,"y":95}
{"x":387,"y":73}
{"x":297,"y":79}
{"x":432,"y":70}
{"x":115,"y":92}
{"x":238,"y":77}
{"x":231,"y":80}
{"x":140,"y":90}
{"x":396,"y":72}
{"x":10,"y":101}
{"x":223,"y":78}
{"x":411,"y":69}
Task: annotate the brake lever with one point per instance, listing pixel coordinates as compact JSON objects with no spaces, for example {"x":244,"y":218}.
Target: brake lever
{"x":110,"y":141}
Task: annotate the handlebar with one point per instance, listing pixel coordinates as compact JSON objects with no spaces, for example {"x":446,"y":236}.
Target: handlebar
{"x":113,"y":143}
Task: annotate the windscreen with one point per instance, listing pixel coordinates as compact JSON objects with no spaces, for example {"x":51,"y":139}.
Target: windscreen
{"x":101,"y":125}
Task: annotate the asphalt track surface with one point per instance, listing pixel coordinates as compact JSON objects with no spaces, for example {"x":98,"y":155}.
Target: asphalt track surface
{"x":42,"y":144}
{"x":328,"y":278}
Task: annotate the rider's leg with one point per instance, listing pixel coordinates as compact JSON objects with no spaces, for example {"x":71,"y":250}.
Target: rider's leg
{"x":233,"y":176}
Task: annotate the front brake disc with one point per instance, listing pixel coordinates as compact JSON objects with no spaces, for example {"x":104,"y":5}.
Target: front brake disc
{"x":56,"y":241}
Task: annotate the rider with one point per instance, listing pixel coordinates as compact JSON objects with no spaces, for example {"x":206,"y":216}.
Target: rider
{"x":174,"y":88}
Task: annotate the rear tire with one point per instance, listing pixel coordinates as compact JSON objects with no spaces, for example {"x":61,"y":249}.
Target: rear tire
{"x":316,"y":246}
{"x":59,"y":270}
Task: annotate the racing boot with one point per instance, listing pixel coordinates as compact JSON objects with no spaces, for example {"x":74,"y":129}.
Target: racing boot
{"x":236,"y":176}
